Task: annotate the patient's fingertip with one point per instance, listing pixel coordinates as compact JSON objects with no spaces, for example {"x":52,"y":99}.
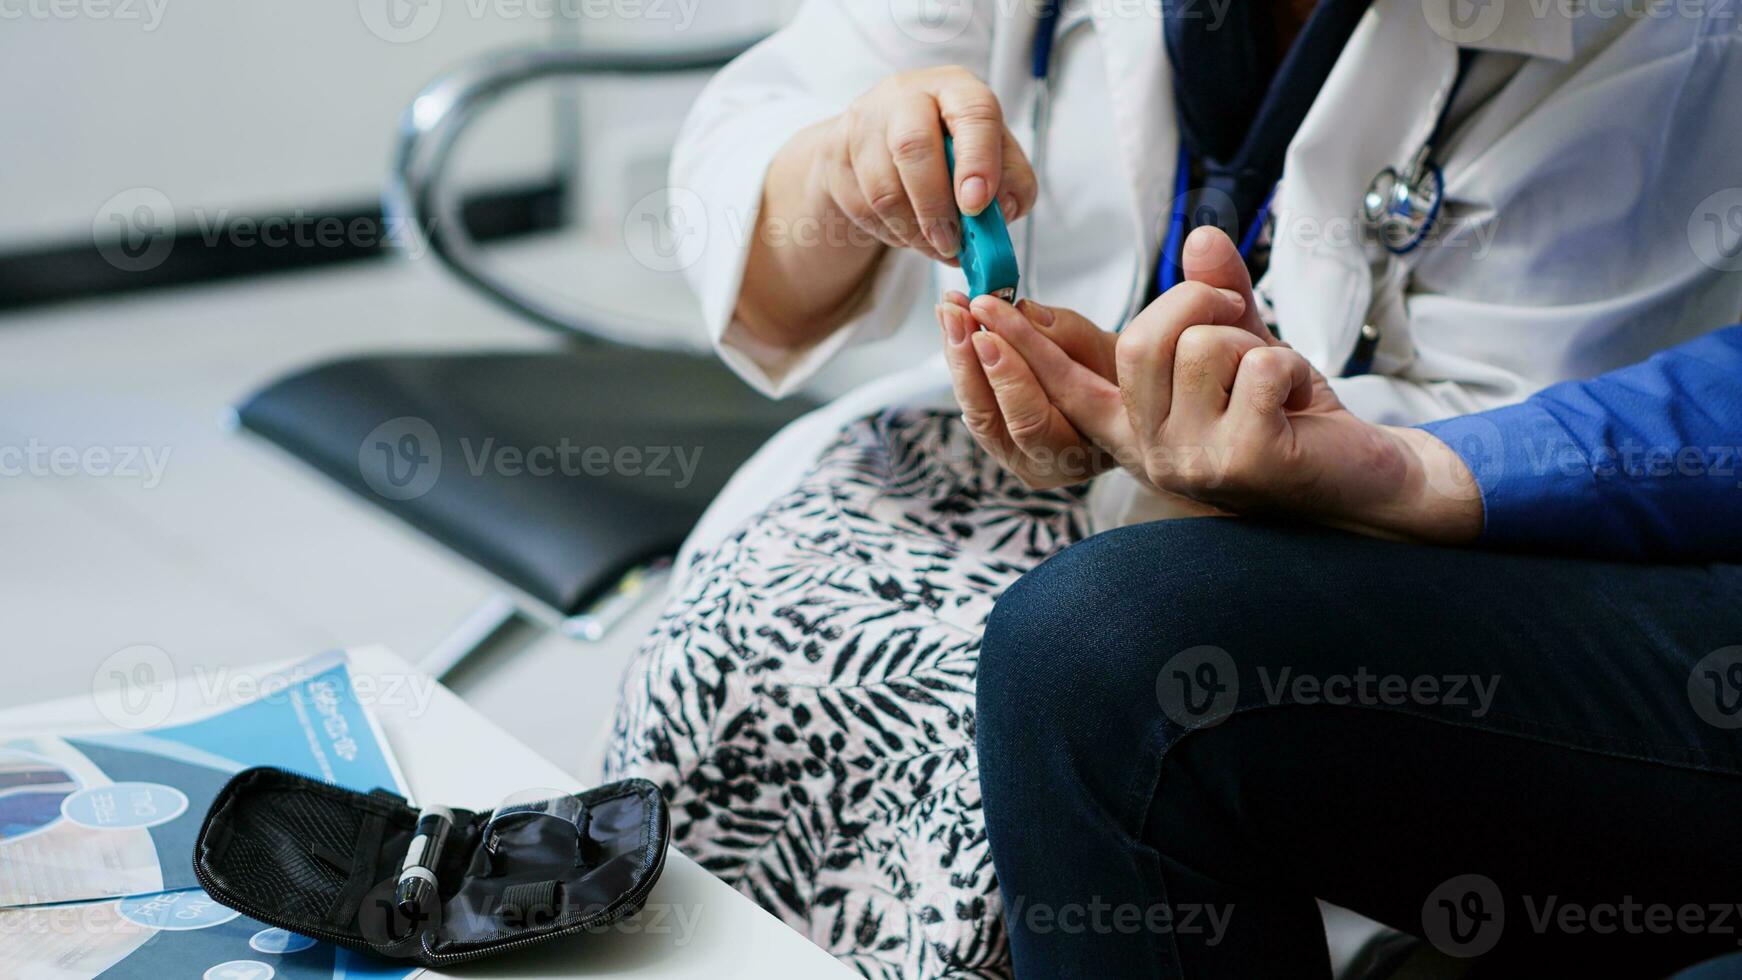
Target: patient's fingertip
{"x":954,"y":329}
{"x":987,"y":349}
{"x":1234,"y":296}
{"x":984,"y":308}
{"x":1037,"y":314}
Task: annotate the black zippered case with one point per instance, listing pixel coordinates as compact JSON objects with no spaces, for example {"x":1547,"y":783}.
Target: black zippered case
{"x":324,"y":862}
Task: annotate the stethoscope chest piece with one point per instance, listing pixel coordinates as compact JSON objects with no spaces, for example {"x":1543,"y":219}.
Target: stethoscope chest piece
{"x":1400,"y":208}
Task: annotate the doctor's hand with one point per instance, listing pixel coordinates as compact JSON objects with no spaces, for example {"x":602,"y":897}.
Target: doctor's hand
{"x":882,"y":161}
{"x":1210,"y":406}
{"x":842,"y":192}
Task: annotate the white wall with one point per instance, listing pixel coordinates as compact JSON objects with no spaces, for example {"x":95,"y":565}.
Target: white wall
{"x":273,"y":105}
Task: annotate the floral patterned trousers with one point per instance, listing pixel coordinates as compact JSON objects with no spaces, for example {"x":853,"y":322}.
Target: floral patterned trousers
{"x":807,"y":699}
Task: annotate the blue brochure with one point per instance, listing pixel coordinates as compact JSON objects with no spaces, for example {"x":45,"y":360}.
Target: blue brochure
{"x":97,"y":833}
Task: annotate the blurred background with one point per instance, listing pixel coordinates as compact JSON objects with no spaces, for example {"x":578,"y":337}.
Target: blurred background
{"x":193,"y":213}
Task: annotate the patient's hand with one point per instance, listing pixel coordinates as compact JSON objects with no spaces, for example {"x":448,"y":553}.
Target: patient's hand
{"x":995,"y":386}
{"x":1205,"y":403}
{"x":1006,"y":409}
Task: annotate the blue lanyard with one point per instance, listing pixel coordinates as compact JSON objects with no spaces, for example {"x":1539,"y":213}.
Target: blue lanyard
{"x":1167,"y":271}
{"x":1045,"y":33}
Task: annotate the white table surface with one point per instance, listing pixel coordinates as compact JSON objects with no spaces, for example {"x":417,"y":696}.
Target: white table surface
{"x":451,"y":754}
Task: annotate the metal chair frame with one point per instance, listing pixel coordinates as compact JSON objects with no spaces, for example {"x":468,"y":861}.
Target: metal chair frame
{"x":420,"y":200}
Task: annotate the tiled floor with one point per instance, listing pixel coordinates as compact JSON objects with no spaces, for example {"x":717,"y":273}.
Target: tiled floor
{"x":235,"y":553}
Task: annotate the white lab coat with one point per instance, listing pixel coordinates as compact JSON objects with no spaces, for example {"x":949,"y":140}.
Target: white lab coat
{"x":1579,"y":186}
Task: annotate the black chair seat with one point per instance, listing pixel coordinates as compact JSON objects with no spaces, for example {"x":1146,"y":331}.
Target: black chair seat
{"x":558,"y":472}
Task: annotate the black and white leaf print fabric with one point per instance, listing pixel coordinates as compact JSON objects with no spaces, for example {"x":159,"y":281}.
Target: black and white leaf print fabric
{"x":807,"y":700}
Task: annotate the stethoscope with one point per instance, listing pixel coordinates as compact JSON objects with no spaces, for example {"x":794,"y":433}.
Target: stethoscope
{"x":1398,"y":209}
{"x":1400,"y":206}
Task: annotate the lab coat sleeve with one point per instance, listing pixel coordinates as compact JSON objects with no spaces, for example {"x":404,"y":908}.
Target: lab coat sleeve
{"x":831,"y":52}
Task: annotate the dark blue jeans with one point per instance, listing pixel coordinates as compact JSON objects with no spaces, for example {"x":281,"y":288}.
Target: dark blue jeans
{"x":1189,"y":731}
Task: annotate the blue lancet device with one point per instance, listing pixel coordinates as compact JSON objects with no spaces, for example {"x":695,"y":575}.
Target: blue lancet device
{"x":988,"y":258}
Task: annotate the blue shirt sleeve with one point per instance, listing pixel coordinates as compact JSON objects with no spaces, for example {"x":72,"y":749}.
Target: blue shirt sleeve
{"x":1639,"y":463}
